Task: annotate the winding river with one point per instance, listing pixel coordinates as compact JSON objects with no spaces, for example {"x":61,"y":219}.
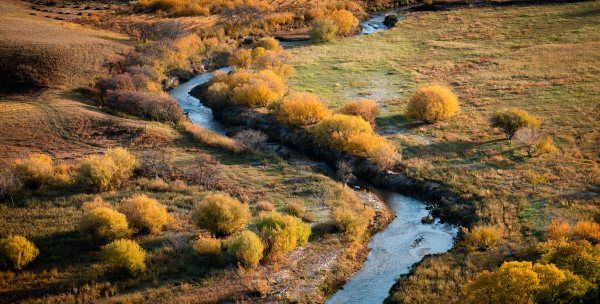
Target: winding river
{"x":404,"y":242}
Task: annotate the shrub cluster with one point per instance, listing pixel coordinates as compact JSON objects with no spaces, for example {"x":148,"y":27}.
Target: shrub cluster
{"x":154,"y":106}
{"x":104,"y":224}
{"x":328,"y":26}
{"x":524,"y":282}
{"x":349,"y":214}
{"x":221,"y":214}
{"x":246,"y":88}
{"x":145,"y":214}
{"x":16,"y":252}
{"x":323,"y":30}
{"x":301,"y":109}
{"x":250,"y":140}
{"x":432,"y":103}
{"x":125,"y":255}
{"x":281,"y":233}
{"x":354,"y":135}
{"x":109,"y":171}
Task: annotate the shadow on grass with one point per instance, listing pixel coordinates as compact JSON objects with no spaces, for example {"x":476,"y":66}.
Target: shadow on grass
{"x":400,"y":121}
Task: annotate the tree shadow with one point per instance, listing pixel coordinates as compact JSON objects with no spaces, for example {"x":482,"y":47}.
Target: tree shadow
{"x":400,"y":121}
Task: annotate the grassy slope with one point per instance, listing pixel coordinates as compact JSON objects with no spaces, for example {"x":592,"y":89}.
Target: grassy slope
{"x":543,"y":58}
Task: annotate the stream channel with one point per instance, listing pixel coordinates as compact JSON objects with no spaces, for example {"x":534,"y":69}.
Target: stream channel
{"x":404,"y":242}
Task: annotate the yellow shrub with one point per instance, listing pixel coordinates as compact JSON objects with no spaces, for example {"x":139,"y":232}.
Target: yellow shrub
{"x":247,"y":248}
{"x":125,"y":255}
{"x":281,"y":233}
{"x":109,"y":171}
{"x":35,"y":171}
{"x":587,"y":231}
{"x":258,"y":51}
{"x":104,"y":224}
{"x":545,"y":145}
{"x":17,"y":251}
{"x":432,"y":103}
{"x":264,"y":206}
{"x":482,"y":237}
{"x":221,"y":214}
{"x":349,"y":222}
{"x":557,"y":230}
{"x":301,"y":109}
{"x":277,"y":62}
{"x":219,"y":94}
{"x":365,"y":108}
{"x":375,"y":147}
{"x":260,"y":91}
{"x":335,"y":130}
{"x":207,"y":246}
{"x":145,"y":214}
{"x":240,"y":58}
{"x":295,"y":209}
{"x":268,"y":43}
{"x":345,"y":21}
{"x":511,"y":120}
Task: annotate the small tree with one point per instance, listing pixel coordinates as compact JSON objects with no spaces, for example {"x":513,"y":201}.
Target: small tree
{"x":35,"y":171}
{"x":247,"y":248}
{"x":536,"y":179}
{"x":125,"y":255}
{"x":323,"y":30}
{"x":17,"y":251}
{"x":104,"y":224}
{"x":432,"y":103}
{"x":301,"y":109}
{"x":511,"y":120}
{"x":221,"y":214}
{"x":365,"y":108}
{"x":145,"y":214}
{"x":535,"y":143}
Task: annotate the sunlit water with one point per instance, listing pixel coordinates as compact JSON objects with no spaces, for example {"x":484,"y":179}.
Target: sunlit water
{"x":394,"y":250}
{"x":373,"y":25}
{"x":198,"y":113}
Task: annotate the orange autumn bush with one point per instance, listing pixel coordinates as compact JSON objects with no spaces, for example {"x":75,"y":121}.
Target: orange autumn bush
{"x":432,"y":103}
{"x":301,"y":109}
{"x":365,"y":108}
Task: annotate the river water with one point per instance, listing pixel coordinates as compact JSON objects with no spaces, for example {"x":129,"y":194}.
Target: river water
{"x":404,"y":242}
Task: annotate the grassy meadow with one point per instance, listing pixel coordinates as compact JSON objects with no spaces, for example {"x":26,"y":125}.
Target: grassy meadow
{"x":541,"y":58}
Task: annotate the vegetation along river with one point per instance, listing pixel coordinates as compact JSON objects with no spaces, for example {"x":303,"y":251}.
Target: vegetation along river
{"x":404,"y":242}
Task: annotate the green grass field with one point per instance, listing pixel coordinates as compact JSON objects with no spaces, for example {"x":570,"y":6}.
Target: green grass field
{"x":541,"y":58}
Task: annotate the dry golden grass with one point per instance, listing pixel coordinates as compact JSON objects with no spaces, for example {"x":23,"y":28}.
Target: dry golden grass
{"x":36,"y":51}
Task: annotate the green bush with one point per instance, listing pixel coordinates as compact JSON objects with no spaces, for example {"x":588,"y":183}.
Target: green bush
{"x":352,"y":224}
{"x":324,"y":30}
{"x":281,"y":233}
{"x":35,"y":171}
{"x":221,"y":214}
{"x":17,"y":251}
{"x":511,"y":120}
{"x":104,"y":224}
{"x":145,"y":214}
{"x":125,"y":255}
{"x":247,"y":248}
{"x":107,"y":172}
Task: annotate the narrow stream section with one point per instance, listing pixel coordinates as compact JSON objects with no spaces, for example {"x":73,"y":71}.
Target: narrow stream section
{"x":404,"y":242}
